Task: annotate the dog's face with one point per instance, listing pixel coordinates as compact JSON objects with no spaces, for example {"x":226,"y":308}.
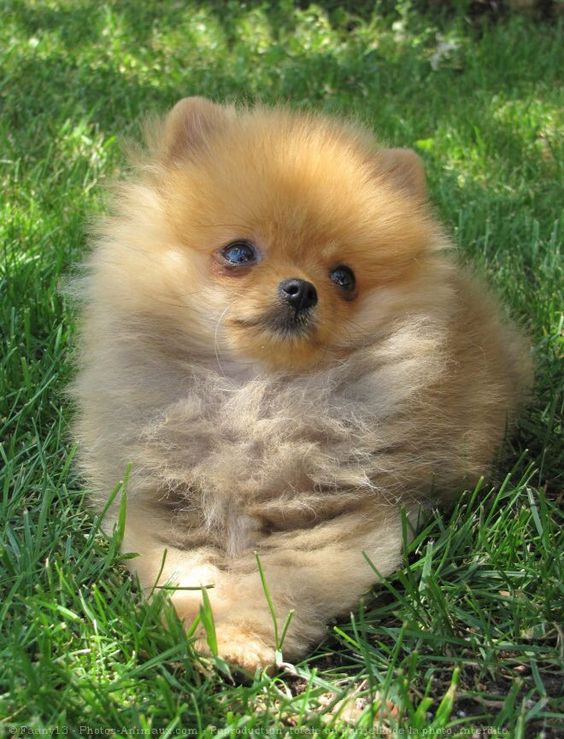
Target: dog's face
{"x":286,"y":227}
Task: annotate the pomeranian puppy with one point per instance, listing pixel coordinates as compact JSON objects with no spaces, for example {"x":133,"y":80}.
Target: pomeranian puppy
{"x":278,"y":341}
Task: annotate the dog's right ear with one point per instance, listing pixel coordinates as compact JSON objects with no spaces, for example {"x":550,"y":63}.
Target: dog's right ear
{"x":404,"y":168}
{"x":188,"y":125}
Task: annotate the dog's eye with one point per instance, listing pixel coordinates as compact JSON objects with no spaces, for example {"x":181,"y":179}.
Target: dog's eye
{"x":240,"y":253}
{"x":343,"y":277}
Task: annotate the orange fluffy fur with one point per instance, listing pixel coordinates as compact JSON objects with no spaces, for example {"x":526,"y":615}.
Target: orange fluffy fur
{"x":302,"y":446}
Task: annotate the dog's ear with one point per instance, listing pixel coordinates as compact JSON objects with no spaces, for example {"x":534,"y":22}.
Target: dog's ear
{"x":189,"y":123}
{"x":404,"y":168}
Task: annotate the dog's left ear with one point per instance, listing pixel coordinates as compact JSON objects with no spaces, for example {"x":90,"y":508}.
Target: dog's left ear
{"x":404,"y":168}
{"x":189,"y":124}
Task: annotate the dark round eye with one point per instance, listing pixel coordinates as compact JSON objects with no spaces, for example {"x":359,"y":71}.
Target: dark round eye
{"x":343,"y":277}
{"x":240,"y":253}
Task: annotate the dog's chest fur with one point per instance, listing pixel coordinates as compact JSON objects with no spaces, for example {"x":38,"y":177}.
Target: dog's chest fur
{"x":277,"y":453}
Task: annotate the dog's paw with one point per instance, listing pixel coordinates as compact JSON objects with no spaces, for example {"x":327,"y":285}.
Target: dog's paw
{"x":241,"y":647}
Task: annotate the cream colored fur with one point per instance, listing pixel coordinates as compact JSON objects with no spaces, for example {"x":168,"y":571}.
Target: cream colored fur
{"x":241,"y":441}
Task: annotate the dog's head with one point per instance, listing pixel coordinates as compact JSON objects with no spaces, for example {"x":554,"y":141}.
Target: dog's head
{"x":281,"y":230}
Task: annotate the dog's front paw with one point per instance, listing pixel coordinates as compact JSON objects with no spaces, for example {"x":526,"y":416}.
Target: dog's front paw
{"x":240,"y":646}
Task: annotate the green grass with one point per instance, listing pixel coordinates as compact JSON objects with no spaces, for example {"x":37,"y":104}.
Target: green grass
{"x":467,"y":635}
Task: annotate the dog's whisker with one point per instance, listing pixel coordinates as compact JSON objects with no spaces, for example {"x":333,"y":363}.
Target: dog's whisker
{"x":216,"y":338}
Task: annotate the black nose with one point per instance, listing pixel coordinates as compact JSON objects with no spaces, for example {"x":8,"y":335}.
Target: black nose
{"x":300,"y":294}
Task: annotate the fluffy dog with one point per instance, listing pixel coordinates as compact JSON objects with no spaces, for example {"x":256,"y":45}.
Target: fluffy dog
{"x":277,"y":338}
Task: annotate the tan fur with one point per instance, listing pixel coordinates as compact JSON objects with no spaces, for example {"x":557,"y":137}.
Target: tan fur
{"x":242,"y":440}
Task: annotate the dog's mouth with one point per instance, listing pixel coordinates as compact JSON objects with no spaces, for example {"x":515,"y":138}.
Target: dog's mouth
{"x":283,"y":321}
{"x":291,"y":323}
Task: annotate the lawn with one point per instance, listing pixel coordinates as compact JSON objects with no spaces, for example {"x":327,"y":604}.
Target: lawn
{"x":467,"y":637}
